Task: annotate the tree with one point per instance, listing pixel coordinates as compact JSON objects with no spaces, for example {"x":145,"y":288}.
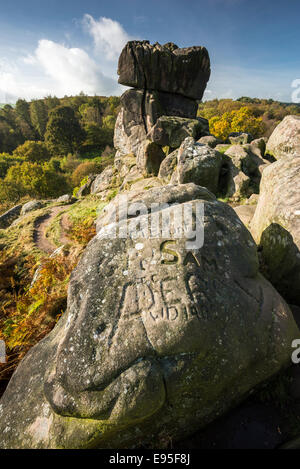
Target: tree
{"x":239,"y":120}
{"x":39,"y":116}
{"x":32,"y":151}
{"x":98,"y":136}
{"x":51,"y":102}
{"x":244,"y":120}
{"x":83,"y":170}
{"x":9,"y":137}
{"x":109,"y":122}
{"x":90,"y":114}
{"x":114,"y":103}
{"x":6,"y":161}
{"x":35,"y":180}
{"x":64,"y":133}
{"x":23,"y":110}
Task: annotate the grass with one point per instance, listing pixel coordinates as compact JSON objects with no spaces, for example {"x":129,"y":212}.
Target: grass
{"x":29,"y":312}
{"x":225,"y":148}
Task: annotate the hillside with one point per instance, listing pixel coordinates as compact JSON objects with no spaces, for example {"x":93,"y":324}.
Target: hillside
{"x":149,"y":264}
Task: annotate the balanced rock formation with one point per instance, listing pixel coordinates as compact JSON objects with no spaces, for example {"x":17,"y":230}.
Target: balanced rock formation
{"x":157,"y":338}
{"x":285,"y":139}
{"x":162,"y":106}
{"x":165,"y":68}
{"x":276,"y":225}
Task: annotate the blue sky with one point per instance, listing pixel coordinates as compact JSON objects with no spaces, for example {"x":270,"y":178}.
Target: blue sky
{"x":62,"y":46}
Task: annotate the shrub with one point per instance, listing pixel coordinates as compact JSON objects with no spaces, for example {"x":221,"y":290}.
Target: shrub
{"x":34,"y":180}
{"x":30,"y":312}
{"x":64,"y":134}
{"x":82,"y":231}
{"x":83,"y":170}
{"x":241,"y":120}
{"x":70,"y":162}
{"x":32,"y":151}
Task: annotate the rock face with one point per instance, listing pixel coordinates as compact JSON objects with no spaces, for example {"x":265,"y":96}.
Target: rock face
{"x":149,"y":158}
{"x":245,"y":213}
{"x":168,"y":166}
{"x":103,"y":181}
{"x":165,"y":68}
{"x":276,"y":225}
{"x":244,"y":165}
{"x":7,"y":218}
{"x":261,"y":144}
{"x":85,"y":189}
{"x":210,"y":140}
{"x":171,"y":131}
{"x":157,"y":339}
{"x":199,"y":164}
{"x":162,"y":107}
{"x":285,"y":139}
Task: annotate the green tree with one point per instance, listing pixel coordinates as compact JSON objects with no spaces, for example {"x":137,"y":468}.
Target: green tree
{"x":23,"y":110}
{"x":109,"y":122}
{"x":9,"y":137}
{"x":36,"y":180}
{"x":98,"y":136}
{"x":39,"y":116}
{"x":32,"y":151}
{"x":64,"y":134}
{"x":90,"y":114}
{"x":51,"y":102}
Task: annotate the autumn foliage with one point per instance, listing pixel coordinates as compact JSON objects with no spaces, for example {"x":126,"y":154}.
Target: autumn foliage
{"x":239,"y":120}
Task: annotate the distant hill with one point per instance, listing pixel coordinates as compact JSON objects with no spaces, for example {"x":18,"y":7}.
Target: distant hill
{"x":269,"y":111}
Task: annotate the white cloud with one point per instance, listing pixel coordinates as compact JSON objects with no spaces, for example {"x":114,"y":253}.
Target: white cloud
{"x":13,"y":84}
{"x":108,"y":35}
{"x":59,"y":70}
{"x":72,"y":69}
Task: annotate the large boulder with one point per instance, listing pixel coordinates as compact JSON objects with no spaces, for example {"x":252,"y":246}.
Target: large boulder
{"x":85,"y":189}
{"x":103,"y":181}
{"x":168,"y":166}
{"x":170,"y":131}
{"x":246,"y":158}
{"x":149,"y":157}
{"x":165,"y":68}
{"x":32,"y":205}
{"x":66,"y":199}
{"x":285,"y":139}
{"x":130,"y":127}
{"x":260,"y":144}
{"x":198,"y":163}
{"x":234,"y":183}
{"x":170,"y":194}
{"x":245,"y":213}
{"x":276,"y":226}
{"x":210,"y":140}
{"x":7,"y":218}
{"x":244,"y":165}
{"x":157,"y":340}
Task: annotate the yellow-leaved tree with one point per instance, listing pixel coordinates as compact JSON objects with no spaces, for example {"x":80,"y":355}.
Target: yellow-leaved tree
{"x":238,"y":120}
